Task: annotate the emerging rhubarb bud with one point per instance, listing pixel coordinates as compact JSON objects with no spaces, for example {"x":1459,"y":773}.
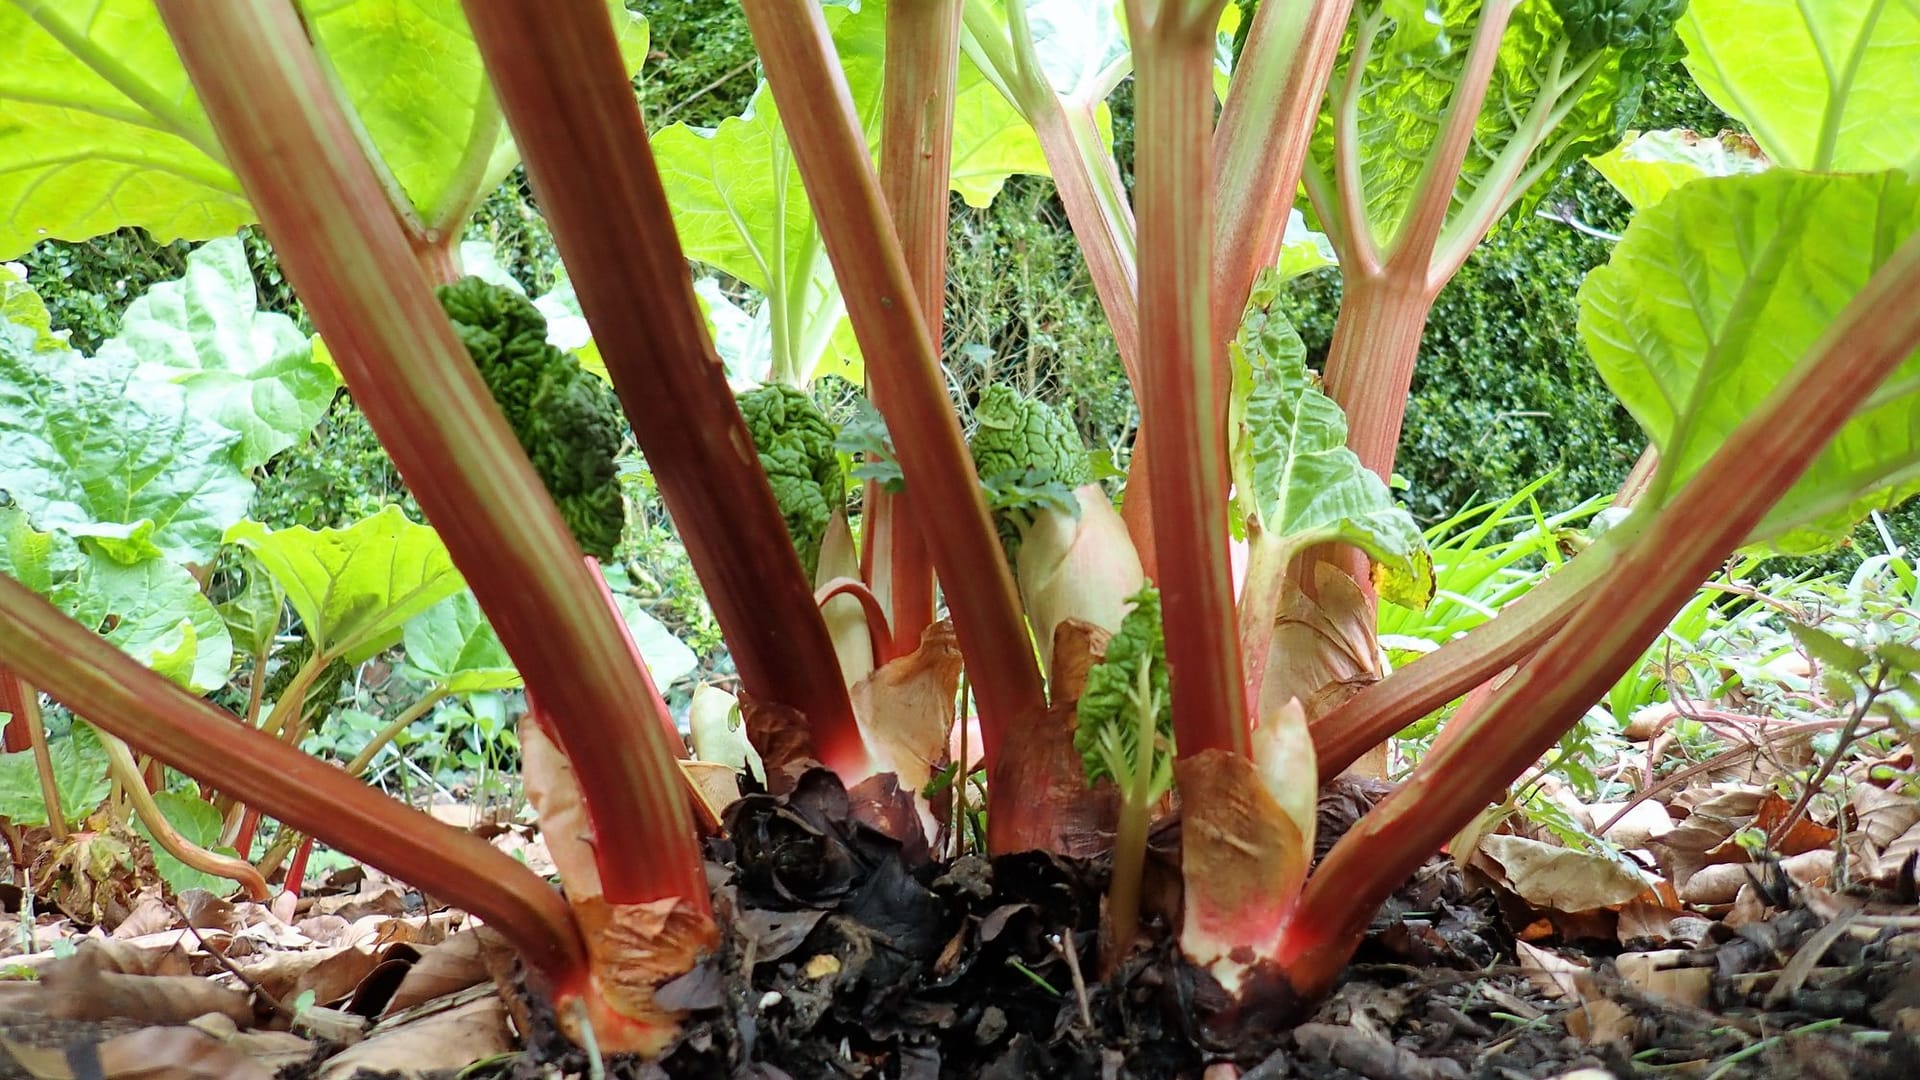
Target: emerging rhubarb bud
{"x":1072,"y":555}
{"x":1126,"y":735}
{"x":795,"y":442}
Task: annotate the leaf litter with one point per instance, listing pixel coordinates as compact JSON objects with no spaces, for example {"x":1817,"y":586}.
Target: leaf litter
{"x":1716,"y":927}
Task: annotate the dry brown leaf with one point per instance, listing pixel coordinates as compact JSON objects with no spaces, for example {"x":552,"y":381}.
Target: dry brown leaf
{"x":633,"y":948}
{"x":1660,"y":973}
{"x":1883,"y":815}
{"x":715,"y":782}
{"x":452,"y":1039}
{"x":330,"y":973}
{"x":1077,"y":646}
{"x":150,"y":915}
{"x":905,"y":710}
{"x":1646,"y":821}
{"x":454,"y":964}
{"x":1323,"y":649}
{"x":155,"y":1053}
{"x":1803,"y":836}
{"x":274,"y":1049}
{"x":1603,"y":1020}
{"x":1562,"y":879}
{"x":1716,"y":884}
{"x":1553,"y":975}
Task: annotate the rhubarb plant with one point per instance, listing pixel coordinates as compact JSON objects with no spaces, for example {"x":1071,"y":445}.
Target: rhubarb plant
{"x":1762,"y":326}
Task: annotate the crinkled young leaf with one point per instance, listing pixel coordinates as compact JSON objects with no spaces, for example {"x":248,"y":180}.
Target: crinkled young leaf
{"x":1822,"y":86}
{"x":1130,"y":682}
{"x":1711,"y":298}
{"x":355,"y":588}
{"x":1646,"y":167}
{"x":79,"y":774}
{"x":105,"y":130}
{"x":89,"y":449}
{"x":250,"y":370}
{"x":453,"y":645}
{"x":198,"y":823}
{"x":1293,"y":473}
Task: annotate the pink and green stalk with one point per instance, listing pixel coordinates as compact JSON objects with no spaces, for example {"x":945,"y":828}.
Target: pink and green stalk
{"x":1387,"y":295}
{"x":1376,"y":713}
{"x":1087,"y":182}
{"x":916,"y":159}
{"x":617,"y":238}
{"x":902,"y":365}
{"x":322,"y":205}
{"x":1262,"y":141}
{"x":112,"y":690}
{"x":1184,"y":391}
{"x":1650,"y":574}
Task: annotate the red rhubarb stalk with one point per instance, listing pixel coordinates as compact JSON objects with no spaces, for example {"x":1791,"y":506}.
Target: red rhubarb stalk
{"x":1261,"y":143}
{"x":617,"y":238}
{"x":342,"y":250}
{"x":916,"y":162}
{"x":1655,"y":574}
{"x":91,"y":676}
{"x":1187,"y":439}
{"x":904,"y":369}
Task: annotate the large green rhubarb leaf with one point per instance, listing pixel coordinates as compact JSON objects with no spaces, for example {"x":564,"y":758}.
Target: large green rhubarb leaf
{"x":1293,"y":473}
{"x":79,"y":775}
{"x":413,"y":74}
{"x":1712,"y":297}
{"x":103,"y":129}
{"x":22,"y":306}
{"x":156,"y":613}
{"x":452,"y":645}
{"x":91,"y":450}
{"x":1416,"y":56}
{"x":198,"y":823}
{"x":1645,"y":168}
{"x":1826,"y":86}
{"x":153,"y":610}
{"x":252,"y":371}
{"x":355,"y":588}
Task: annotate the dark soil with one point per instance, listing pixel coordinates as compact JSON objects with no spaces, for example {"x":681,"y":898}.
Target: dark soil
{"x":841,"y":960}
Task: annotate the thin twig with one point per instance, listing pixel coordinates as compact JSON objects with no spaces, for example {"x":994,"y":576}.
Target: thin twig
{"x":221,"y":959}
{"x":1847,"y":733}
{"x":1064,"y":943}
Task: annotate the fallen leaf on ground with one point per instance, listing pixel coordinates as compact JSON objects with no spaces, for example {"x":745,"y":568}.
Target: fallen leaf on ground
{"x":449,"y":1040}
{"x":1562,"y":879}
{"x":453,"y":965}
